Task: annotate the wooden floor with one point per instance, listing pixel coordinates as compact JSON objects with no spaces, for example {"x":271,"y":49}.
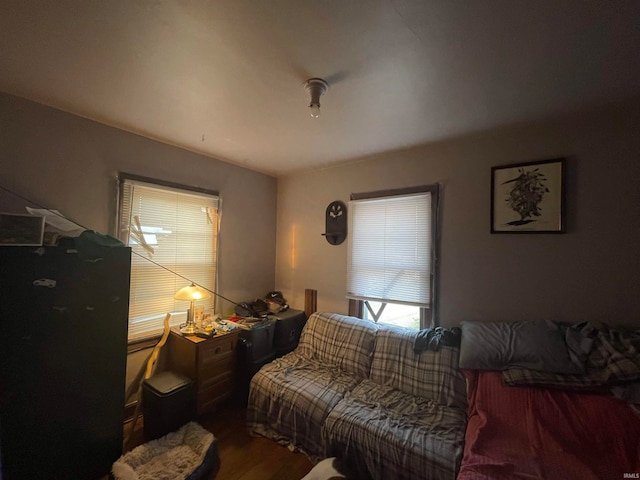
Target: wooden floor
{"x":243,"y":457}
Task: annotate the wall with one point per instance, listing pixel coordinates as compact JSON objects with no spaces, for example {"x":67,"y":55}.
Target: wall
{"x":590,"y":273}
{"x":68,"y":163}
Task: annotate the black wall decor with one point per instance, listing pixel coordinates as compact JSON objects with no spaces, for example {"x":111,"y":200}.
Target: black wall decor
{"x":336,"y":222}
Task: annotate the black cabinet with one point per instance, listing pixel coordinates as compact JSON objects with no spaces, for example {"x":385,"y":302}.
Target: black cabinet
{"x":63,"y":347}
{"x":255,"y":348}
{"x":289,"y":326}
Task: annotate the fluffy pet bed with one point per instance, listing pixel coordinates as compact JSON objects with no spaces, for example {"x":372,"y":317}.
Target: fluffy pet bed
{"x":189,"y":453}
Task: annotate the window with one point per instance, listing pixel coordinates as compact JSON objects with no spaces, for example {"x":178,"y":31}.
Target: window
{"x":172,"y":232}
{"x":392,"y":313}
{"x":392,"y":255}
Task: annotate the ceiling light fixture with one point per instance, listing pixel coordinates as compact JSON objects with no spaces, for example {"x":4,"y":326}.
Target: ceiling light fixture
{"x":316,"y":88}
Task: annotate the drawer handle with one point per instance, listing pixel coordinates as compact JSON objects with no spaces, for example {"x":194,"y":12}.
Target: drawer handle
{"x":217,"y":350}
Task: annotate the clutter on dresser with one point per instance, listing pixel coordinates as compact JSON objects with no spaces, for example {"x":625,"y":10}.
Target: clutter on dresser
{"x":273,"y":302}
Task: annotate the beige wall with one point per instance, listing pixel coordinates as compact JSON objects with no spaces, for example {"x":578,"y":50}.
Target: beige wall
{"x":591,"y":272}
{"x":68,"y":163}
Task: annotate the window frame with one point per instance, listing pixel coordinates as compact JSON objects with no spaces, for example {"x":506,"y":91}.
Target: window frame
{"x":429,"y":317}
{"x":139,"y":343}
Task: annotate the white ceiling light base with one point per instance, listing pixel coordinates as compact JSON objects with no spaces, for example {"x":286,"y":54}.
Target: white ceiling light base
{"x":316,"y":88}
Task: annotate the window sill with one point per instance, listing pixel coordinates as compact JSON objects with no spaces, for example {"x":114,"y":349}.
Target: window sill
{"x":142,"y":344}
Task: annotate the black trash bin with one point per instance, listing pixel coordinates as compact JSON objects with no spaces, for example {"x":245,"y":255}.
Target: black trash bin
{"x":168,"y":402}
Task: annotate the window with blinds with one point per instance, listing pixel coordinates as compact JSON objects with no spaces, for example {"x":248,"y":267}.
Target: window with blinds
{"x":392,"y":247}
{"x":172,"y":232}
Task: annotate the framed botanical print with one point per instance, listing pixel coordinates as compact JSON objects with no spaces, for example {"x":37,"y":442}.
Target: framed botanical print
{"x":528,"y":197}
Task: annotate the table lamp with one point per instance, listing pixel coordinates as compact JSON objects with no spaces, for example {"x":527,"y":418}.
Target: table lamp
{"x":191,"y":294}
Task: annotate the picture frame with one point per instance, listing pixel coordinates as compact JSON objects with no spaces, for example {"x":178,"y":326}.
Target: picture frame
{"x":528,"y":197}
{"x":21,"y":230}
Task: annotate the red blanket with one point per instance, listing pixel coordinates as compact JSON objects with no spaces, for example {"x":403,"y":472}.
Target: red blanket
{"x":535,"y":433}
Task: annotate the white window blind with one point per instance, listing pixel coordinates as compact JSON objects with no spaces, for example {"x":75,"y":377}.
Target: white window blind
{"x":390,"y":249}
{"x":169,"y":230}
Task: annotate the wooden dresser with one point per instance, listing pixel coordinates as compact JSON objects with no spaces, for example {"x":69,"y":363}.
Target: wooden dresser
{"x":209,"y":362}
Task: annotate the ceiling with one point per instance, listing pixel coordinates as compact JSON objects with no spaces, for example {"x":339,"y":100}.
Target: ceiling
{"x":225,"y":78}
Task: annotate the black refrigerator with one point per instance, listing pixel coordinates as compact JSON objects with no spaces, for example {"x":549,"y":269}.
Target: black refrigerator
{"x":63,"y":351}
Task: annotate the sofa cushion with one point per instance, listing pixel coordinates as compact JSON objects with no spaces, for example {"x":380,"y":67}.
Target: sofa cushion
{"x":385,"y":433}
{"x":428,"y":374}
{"x":290,"y":398}
{"x":339,"y":340}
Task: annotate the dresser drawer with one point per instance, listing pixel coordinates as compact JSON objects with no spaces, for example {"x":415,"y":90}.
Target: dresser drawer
{"x":217,"y":350}
{"x":215,"y":369}
{"x":218,"y":377}
{"x":224,"y":361}
{"x":212,"y":394}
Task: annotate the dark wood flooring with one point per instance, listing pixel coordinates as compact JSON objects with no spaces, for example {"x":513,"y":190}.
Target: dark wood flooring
{"x":243,"y":457}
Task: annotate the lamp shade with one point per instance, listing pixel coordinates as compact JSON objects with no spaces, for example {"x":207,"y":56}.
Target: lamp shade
{"x":192,"y":293}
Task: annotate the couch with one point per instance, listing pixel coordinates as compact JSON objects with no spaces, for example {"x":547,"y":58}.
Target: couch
{"x":522,"y":399}
{"x":365,"y":393}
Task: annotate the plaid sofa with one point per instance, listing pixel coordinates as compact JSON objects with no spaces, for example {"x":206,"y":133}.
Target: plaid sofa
{"x":359,"y":391}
